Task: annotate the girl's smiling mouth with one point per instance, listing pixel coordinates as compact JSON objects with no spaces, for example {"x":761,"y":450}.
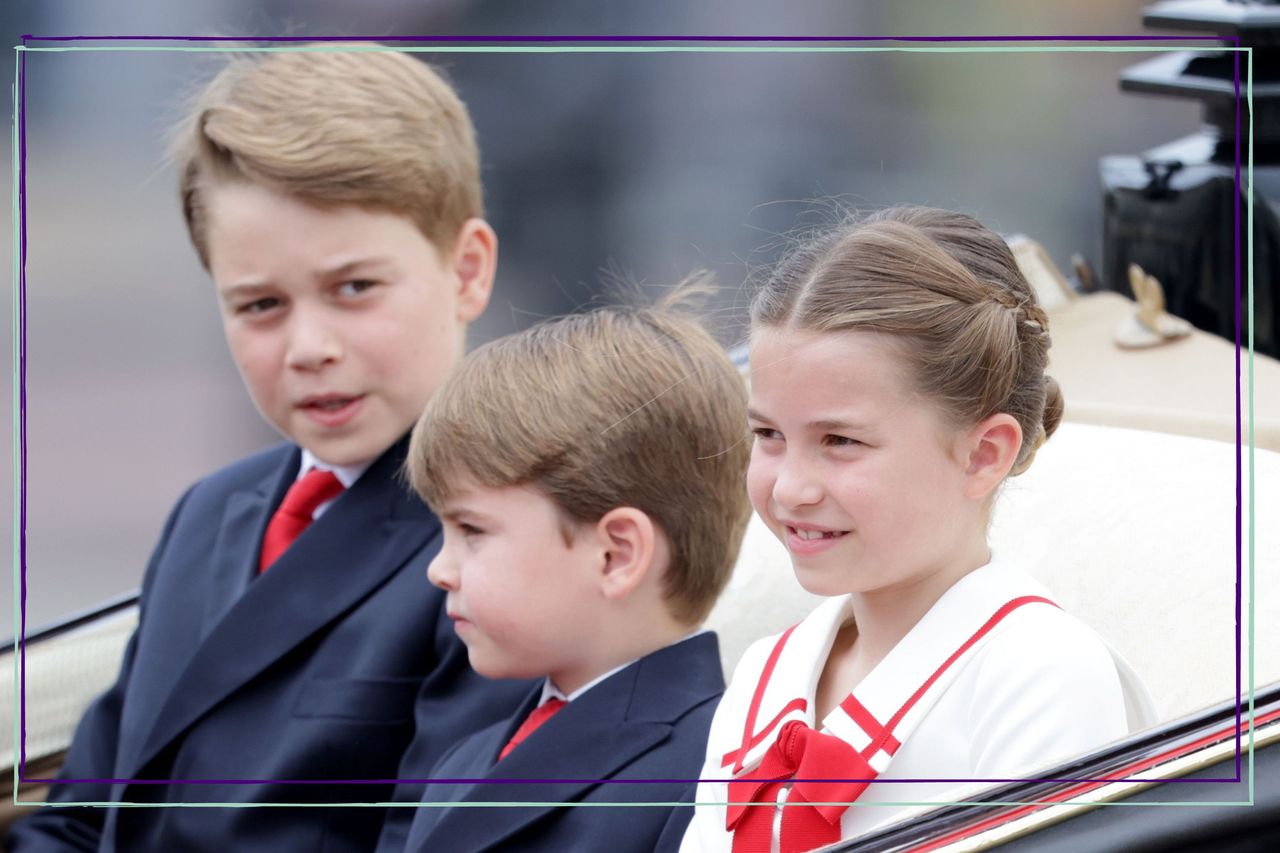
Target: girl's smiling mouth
{"x":810,"y":539}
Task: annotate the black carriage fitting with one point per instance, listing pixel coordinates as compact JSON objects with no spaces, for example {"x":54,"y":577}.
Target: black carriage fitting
{"x":1160,"y":171}
{"x":1173,"y":210}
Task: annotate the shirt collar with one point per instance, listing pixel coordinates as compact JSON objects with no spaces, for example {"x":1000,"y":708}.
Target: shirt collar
{"x":550,"y":691}
{"x":346,"y":474}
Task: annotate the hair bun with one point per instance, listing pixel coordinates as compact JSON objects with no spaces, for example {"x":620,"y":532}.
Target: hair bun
{"x":1053,"y":406}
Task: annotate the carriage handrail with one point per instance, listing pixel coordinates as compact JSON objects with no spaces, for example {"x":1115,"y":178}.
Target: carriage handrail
{"x":75,"y":620}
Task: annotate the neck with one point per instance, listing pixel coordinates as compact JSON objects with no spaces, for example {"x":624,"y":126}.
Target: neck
{"x":884,"y":616}
{"x":619,"y":644}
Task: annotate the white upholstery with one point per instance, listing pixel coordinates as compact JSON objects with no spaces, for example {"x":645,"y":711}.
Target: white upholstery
{"x":63,"y":675}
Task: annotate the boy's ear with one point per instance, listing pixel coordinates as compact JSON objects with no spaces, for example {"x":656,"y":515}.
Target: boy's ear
{"x":629,"y":538}
{"x":993,"y":448}
{"x":474,"y":262}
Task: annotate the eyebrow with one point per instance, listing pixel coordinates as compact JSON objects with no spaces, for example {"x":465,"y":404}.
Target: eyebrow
{"x":244,"y":289}
{"x":838,"y":425}
{"x":453,"y":511}
{"x":346,"y":267}
{"x":252,"y":287}
{"x":822,"y":424}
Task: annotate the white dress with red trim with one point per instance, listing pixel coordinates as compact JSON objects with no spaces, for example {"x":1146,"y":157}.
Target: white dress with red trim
{"x":994,"y":682}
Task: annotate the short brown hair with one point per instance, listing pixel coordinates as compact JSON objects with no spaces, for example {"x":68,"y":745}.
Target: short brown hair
{"x":360,"y":125}
{"x":619,"y":406}
{"x":948,"y":289}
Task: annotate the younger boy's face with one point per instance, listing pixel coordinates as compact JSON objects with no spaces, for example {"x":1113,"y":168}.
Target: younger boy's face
{"x":342,"y":321}
{"x":521,"y":599}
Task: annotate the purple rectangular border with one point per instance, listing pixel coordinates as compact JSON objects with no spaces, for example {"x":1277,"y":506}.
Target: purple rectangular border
{"x":498,"y":41}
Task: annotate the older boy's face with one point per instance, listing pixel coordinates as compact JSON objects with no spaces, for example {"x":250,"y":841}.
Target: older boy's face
{"x":343,"y":321}
{"x":520,"y":598}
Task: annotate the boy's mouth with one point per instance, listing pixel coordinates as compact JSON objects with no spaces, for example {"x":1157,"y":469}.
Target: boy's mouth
{"x":331,"y":410}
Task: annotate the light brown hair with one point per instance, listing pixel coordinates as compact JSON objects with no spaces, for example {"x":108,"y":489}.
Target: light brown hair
{"x":949,"y":291}
{"x":368,"y":127}
{"x":619,"y":406}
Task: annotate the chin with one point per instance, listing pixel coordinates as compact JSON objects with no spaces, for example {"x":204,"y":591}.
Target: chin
{"x":821,"y":582}
{"x":499,"y":669}
{"x":347,"y":451}
{"x":485,"y":668}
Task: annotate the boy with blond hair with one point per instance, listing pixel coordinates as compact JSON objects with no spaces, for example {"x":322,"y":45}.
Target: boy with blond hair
{"x":286,"y":632}
{"x":589,"y":473}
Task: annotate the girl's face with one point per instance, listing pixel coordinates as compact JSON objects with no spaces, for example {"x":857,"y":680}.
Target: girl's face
{"x":855,"y":472}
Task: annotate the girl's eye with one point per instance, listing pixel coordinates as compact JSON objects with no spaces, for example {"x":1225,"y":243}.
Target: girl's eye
{"x":258,"y":306}
{"x":766,"y":433}
{"x":356,"y":286}
{"x":469,"y":530}
{"x":842,"y":441}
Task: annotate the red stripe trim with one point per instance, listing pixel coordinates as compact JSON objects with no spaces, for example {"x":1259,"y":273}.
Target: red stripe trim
{"x":869,"y":724}
{"x":749,"y":727}
{"x":741,"y":752}
{"x":1085,"y":787}
{"x":996,"y":618}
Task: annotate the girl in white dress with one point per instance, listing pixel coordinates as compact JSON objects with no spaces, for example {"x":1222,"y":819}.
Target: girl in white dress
{"x":897,"y":379}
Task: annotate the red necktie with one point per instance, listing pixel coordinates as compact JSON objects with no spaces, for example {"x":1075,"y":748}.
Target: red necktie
{"x":295,"y":513}
{"x":537,"y":717}
{"x":798,"y":753}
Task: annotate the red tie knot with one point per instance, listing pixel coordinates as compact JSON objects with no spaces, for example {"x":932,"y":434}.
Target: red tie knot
{"x":305,"y":495}
{"x":793,"y":739}
{"x":294,"y":514}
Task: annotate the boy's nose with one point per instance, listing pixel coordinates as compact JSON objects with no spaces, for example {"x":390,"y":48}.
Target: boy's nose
{"x":312,"y":343}
{"x":442,"y":573}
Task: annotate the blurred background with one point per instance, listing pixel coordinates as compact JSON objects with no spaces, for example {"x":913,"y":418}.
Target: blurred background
{"x":597,"y":165}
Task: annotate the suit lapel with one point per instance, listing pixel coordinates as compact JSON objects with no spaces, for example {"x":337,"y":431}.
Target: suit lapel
{"x":595,"y":737}
{"x":363,"y":539}
{"x":472,"y":760}
{"x":230,"y":566}
{"x":234,"y":561}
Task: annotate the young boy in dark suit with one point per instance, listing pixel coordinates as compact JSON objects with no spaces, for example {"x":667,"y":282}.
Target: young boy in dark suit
{"x":286,"y":632}
{"x":589,"y":473}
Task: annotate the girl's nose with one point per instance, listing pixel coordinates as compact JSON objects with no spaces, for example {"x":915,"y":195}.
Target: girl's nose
{"x":795,"y":486}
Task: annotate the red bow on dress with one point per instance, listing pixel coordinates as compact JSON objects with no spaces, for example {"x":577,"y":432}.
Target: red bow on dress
{"x":799,"y":752}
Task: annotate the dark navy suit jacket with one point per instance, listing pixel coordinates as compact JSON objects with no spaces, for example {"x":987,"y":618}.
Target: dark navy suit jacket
{"x":646,"y":722}
{"x":311,"y":671}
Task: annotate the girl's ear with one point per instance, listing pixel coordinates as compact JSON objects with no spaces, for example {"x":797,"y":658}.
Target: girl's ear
{"x":474,"y":261}
{"x":629,"y":538}
{"x":993,"y":448}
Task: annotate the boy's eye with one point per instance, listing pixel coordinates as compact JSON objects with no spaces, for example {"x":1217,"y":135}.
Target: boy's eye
{"x":356,"y":286}
{"x":765,"y":433}
{"x":841,"y":441}
{"x":469,"y":530}
{"x":258,"y":306}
